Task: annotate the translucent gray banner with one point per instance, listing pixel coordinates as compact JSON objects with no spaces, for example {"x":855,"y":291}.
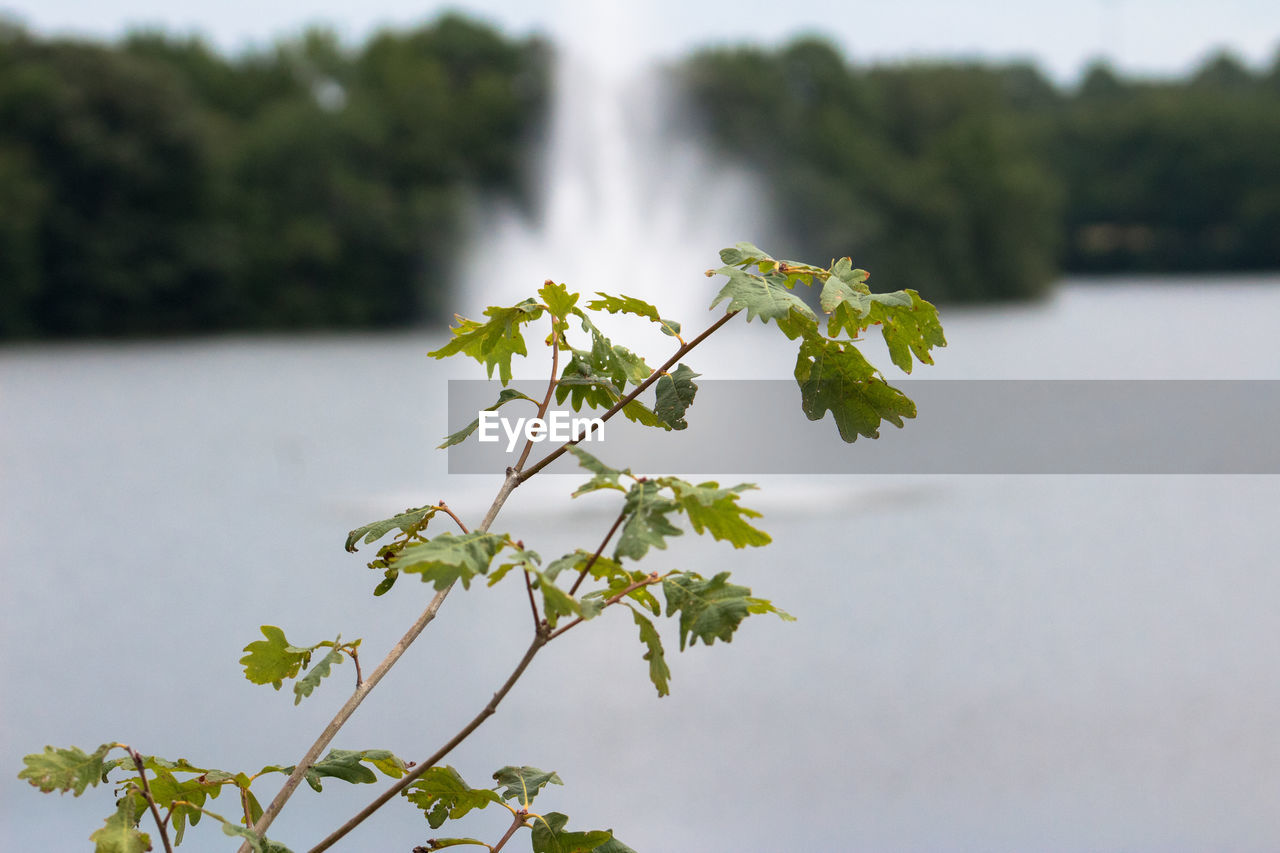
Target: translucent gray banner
{"x":963,"y":427}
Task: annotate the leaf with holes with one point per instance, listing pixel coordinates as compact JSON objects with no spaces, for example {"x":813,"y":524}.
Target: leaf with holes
{"x":675,"y":394}
{"x":647,"y":525}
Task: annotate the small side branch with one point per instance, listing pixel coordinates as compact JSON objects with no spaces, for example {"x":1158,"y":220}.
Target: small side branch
{"x":517,"y":823}
{"x":622,"y":516}
{"x":444,"y":507}
{"x":161,"y":825}
{"x":533,"y":605}
{"x":488,"y":711}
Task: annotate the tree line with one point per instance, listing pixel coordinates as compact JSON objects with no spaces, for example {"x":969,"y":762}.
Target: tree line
{"x":983,"y":182}
{"x":155,"y":186}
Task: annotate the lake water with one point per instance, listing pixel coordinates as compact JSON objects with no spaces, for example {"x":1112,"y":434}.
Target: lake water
{"x":980,"y":662}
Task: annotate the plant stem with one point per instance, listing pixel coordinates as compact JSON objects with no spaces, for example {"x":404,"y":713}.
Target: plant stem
{"x":345,"y":712}
{"x":514,"y":477}
{"x":622,"y":516}
{"x":445,"y":508}
{"x":516,"y":825}
{"x":640,"y":389}
{"x":146,"y":794}
{"x":540,"y":639}
{"x":533,"y":605}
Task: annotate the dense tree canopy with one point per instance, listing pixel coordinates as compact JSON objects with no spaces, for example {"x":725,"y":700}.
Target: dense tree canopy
{"x":158,"y":186}
{"x":980,"y":182}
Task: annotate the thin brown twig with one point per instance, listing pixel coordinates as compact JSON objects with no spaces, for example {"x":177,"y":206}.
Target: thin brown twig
{"x":539,"y":640}
{"x":146,"y":795}
{"x":514,"y":477}
{"x":445,"y":507}
{"x":528,"y":585}
{"x":596,"y":556}
{"x":640,"y":389}
{"x":516,"y":824}
{"x":345,"y":712}
{"x":355,"y":658}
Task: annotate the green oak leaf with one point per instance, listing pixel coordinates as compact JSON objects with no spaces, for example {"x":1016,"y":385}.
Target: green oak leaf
{"x":764,"y":605}
{"x":505,"y":396}
{"x":709,"y":610}
{"x":618,"y":363}
{"x":556,"y":602}
{"x":716,"y":510}
{"x":569,"y":562}
{"x":121,"y":834}
{"x":659,"y":674}
{"x":646,"y":525}
{"x":520,"y":558}
{"x":448,"y":558}
{"x":272,"y":660}
{"x":908,"y":330}
{"x":604,"y":476}
{"x":442,"y":843}
{"x":582,"y":385}
{"x":613,"y":845}
{"x":495,"y":342}
{"x":675,"y":394}
{"x":767,"y":298}
{"x":524,"y":783}
{"x":70,"y":769}
{"x":638,"y":307}
{"x":165,"y":788}
{"x":787,"y":272}
{"x":639,"y":413}
{"x":442,"y":795}
{"x":745,"y":254}
{"x":559,"y":300}
{"x":255,"y":841}
{"x":309,"y":682}
{"x":412,"y":520}
{"x":348,"y":766}
{"x":834,"y":376}
{"x":549,"y":836}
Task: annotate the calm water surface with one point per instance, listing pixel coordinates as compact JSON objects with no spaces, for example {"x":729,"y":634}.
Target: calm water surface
{"x":980,"y":663}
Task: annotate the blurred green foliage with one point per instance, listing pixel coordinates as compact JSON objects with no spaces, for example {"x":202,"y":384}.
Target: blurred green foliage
{"x":157,"y":186}
{"x":983,"y":182}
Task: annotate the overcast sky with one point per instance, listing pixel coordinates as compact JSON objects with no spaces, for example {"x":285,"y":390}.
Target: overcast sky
{"x":1140,"y":36}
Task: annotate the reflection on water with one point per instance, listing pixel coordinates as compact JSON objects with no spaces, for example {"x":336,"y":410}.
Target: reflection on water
{"x":979,"y":663}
